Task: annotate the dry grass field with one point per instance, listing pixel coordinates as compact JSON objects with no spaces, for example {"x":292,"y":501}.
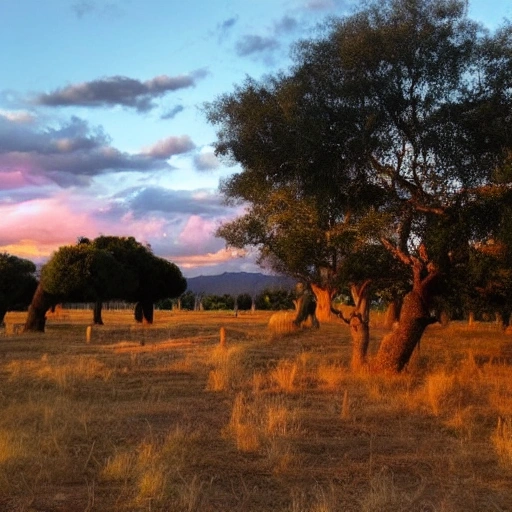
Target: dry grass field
{"x":167,"y":419}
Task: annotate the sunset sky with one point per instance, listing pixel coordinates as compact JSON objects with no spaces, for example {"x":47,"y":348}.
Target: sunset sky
{"x":101,"y":128}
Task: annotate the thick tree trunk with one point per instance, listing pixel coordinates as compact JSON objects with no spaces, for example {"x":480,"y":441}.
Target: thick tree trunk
{"x":360,"y":334}
{"x":323,"y":303}
{"x":147,"y":311}
{"x":397,"y":347}
{"x":98,"y":306}
{"x":359,"y":323}
{"x":138,"y":314}
{"x":36,"y":317}
{"x":392,"y":313}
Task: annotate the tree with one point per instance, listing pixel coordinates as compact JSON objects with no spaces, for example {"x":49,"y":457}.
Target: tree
{"x":275,"y":300}
{"x":389,"y":128}
{"x":17,"y":283}
{"x":147,"y":278}
{"x":188,"y":300}
{"x":218,"y":302}
{"x":75,"y":273}
{"x":106,"y":268}
{"x":244,"y":301}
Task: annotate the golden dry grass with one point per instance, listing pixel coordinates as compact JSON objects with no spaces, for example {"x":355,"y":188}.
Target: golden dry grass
{"x":167,"y":419}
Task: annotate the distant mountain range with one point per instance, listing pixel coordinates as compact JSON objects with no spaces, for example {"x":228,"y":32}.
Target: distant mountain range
{"x":236,"y":283}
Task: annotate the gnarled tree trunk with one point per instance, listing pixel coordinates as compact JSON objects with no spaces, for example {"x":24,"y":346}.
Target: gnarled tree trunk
{"x":397,"y":347}
{"x":392,"y":313}
{"x":359,"y":324}
{"x":36,"y":317}
{"x":306,"y":307}
{"x":97,"y":319}
{"x":323,"y":302}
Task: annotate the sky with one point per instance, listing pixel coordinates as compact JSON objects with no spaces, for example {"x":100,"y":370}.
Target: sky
{"x":102,"y":128}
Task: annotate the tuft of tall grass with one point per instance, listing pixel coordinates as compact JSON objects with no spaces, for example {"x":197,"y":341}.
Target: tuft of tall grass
{"x":283,"y":376}
{"x":257,"y":422}
{"x":64,"y":372}
{"x":383,"y":495}
{"x":242,"y":425}
{"x":154,"y":471}
{"x":226,"y":372}
{"x":281,"y":323}
{"x":330,"y":376}
{"x":12,"y":446}
{"x":502,"y":440}
{"x":317,"y":500}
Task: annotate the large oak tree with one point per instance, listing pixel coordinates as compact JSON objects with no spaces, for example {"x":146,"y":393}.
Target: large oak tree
{"x":389,"y":128}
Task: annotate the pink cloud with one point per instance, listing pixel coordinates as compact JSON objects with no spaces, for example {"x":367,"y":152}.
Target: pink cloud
{"x":208,"y":259}
{"x":48,"y":223}
{"x":14,"y":179}
{"x":197,"y":231}
{"x":170,"y":146}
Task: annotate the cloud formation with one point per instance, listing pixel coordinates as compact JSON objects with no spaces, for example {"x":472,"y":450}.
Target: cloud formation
{"x":73,"y":153}
{"x":148,"y":200}
{"x":173,"y":112}
{"x":118,"y":90}
{"x":83,"y":8}
{"x":250,"y":44}
{"x":170,"y":146}
{"x":206,"y":161}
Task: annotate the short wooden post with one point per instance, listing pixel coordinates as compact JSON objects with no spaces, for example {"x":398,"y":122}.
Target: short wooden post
{"x":88,"y":334}
{"x":222,"y":337}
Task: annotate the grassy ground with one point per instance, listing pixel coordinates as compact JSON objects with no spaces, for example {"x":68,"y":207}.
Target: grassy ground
{"x":167,"y":419}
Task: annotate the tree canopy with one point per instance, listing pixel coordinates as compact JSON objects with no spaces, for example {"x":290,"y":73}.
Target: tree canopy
{"x":391,"y":129}
{"x":17,"y":283}
{"x":106,"y":268}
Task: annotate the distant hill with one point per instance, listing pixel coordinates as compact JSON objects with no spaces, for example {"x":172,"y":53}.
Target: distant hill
{"x":236,"y":283}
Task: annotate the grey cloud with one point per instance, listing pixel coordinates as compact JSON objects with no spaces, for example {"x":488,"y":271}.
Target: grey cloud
{"x":251,"y":44}
{"x":321,"y":5}
{"x":224,"y":29}
{"x":73,"y":153}
{"x":165,"y":148}
{"x":228,"y":24}
{"x":173,"y":112}
{"x":206,"y":161}
{"x":76,"y":134}
{"x":83,"y":8}
{"x":119,"y":90}
{"x":157,"y":199}
{"x":286,"y":24}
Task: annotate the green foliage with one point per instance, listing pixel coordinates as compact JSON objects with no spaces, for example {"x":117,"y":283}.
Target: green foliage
{"x":17,"y":283}
{"x":81,"y":273}
{"x":188,"y":300}
{"x":108,"y":268}
{"x":218,"y":302}
{"x":275,"y":300}
{"x":390,"y":128}
{"x":244,"y":302}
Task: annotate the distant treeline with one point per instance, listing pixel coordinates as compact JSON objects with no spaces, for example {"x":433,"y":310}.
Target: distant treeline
{"x":267,"y":300}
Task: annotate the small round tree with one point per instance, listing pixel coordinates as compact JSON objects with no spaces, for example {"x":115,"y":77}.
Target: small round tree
{"x":104,"y":269}
{"x":17,"y":283}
